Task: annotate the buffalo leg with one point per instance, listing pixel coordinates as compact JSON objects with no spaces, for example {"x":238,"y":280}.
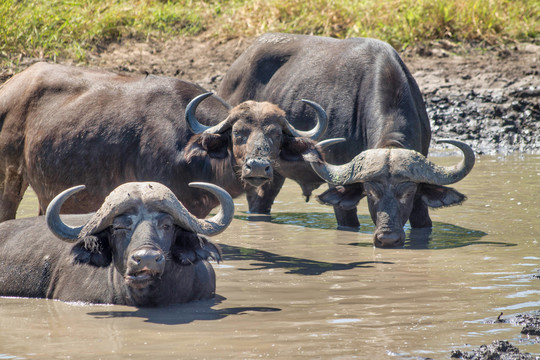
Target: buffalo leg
{"x":420,"y":215}
{"x":346,"y":218}
{"x":260,"y":199}
{"x":12,"y":187}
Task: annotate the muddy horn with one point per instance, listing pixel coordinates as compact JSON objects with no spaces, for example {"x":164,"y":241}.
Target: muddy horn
{"x":438,"y":175}
{"x":56,"y":225}
{"x":416,"y":167}
{"x":219,"y":222}
{"x":131,"y":195}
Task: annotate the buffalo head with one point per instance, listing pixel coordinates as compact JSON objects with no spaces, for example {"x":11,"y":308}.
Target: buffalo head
{"x":394,"y":180}
{"x":140,"y":228}
{"x":259,"y":135}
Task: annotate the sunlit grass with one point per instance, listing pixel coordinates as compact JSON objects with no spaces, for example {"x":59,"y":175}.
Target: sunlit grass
{"x":69,"y":29}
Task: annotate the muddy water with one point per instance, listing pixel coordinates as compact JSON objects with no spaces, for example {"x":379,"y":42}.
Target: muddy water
{"x":297,"y":288}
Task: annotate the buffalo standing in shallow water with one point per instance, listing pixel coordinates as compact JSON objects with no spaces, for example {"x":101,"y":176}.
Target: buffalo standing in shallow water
{"x":371,"y":99}
{"x":395,"y":181}
{"x":141,"y":248}
{"x":61,"y":126}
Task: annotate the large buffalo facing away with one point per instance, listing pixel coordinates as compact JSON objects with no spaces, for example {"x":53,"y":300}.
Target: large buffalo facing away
{"x":367,"y":91}
{"x":141,"y":248}
{"x":61,"y":126}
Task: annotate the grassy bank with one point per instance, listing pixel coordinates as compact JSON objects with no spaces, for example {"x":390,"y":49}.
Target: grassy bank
{"x":69,"y":29}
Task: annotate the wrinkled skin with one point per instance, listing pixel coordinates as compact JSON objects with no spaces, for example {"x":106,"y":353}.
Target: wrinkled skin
{"x":139,"y":254}
{"x":369,"y":94}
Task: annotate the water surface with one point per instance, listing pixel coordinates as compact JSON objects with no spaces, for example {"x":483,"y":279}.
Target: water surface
{"x":296,"y":287}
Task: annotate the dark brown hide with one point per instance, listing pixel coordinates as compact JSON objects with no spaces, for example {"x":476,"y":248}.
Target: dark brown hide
{"x":63,"y":126}
{"x":367,"y":91}
{"x":139,"y":249}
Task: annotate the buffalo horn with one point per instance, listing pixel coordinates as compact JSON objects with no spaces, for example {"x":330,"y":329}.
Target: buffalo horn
{"x":411,"y":164}
{"x":451,"y":174}
{"x":219,"y":222}
{"x":318,"y":130}
{"x":56,"y":225}
{"x":194,"y":125}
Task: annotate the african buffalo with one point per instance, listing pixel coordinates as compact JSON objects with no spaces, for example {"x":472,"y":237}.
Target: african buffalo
{"x":141,"y":248}
{"x":395,"y":181}
{"x":62,"y":126}
{"x":367,"y":91}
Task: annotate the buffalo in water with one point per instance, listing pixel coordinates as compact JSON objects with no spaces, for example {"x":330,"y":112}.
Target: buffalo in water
{"x":61,"y":126}
{"x":395,"y":182}
{"x":370,"y":97}
{"x":141,"y":248}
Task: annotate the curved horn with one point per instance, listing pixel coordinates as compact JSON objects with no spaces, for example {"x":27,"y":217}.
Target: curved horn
{"x":448,"y":175}
{"x":222,"y":219}
{"x":319,"y":129}
{"x":56,"y":225}
{"x":336,"y":174}
{"x":194,"y":125}
{"x":408,"y":163}
{"x":329,"y":142}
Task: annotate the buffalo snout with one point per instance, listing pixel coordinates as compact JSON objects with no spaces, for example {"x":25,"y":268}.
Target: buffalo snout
{"x":389,"y":238}
{"x":145,"y":265}
{"x":257,"y":171}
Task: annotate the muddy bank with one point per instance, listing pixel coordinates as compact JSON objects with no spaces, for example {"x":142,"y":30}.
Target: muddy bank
{"x":489,"y":98}
{"x":497,"y":350}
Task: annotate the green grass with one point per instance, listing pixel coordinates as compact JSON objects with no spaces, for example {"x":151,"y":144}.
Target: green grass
{"x":69,"y":29}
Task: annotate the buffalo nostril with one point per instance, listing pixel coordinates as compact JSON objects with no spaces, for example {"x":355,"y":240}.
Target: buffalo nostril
{"x":267,"y":169}
{"x":388,"y":239}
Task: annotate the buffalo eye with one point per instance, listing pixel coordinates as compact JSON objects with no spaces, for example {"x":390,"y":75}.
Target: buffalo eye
{"x":239,"y":136}
{"x":122,"y":223}
{"x":165,"y":223}
{"x":405,"y":191}
{"x":373,"y":191}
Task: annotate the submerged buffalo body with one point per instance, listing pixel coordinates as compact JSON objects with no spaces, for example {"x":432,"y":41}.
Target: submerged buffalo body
{"x":62,"y":126}
{"x":371,"y":100}
{"x":141,"y":248}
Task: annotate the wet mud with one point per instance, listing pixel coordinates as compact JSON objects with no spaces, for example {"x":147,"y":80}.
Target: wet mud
{"x":497,"y":350}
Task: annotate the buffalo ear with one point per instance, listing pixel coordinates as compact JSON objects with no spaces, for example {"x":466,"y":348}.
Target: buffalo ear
{"x":292,"y":148}
{"x":212,"y":145}
{"x":190,"y":248}
{"x":93,"y":250}
{"x":437,"y":196}
{"x":345,"y":197}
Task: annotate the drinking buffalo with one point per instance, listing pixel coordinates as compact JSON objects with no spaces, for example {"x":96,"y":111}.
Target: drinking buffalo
{"x":367,"y":91}
{"x":395,"y":181}
{"x":62,"y":126}
{"x":141,"y":248}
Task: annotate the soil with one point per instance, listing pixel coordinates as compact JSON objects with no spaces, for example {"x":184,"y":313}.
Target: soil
{"x":497,"y":350}
{"x":489,"y":98}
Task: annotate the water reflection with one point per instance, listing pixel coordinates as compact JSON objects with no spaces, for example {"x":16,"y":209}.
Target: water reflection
{"x":184,"y":313}
{"x":440,"y":236}
{"x":314,"y":220}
